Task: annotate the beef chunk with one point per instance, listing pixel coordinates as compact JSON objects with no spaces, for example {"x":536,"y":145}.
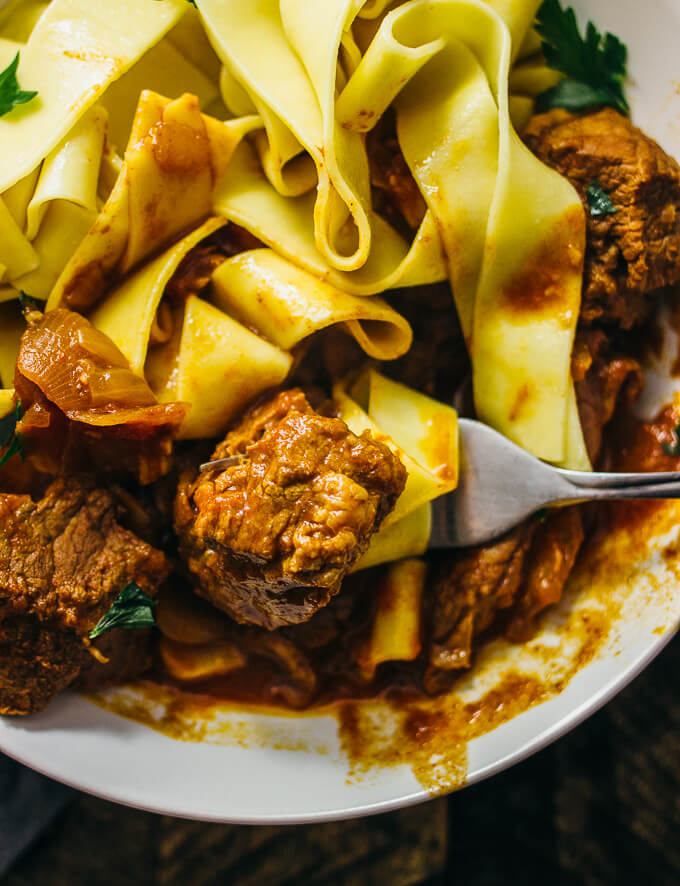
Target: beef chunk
{"x":469,"y":591}
{"x":553,"y":553}
{"x":636,"y":250}
{"x":270,"y":538}
{"x":602,"y":379}
{"x":507,"y":582}
{"x":63,"y":561}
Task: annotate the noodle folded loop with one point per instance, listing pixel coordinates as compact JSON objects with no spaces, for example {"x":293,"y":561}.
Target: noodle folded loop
{"x":287,"y":304}
{"x":174,"y":157}
{"x":75,"y":384}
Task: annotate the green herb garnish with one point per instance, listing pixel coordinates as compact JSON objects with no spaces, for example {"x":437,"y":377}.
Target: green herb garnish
{"x":598,"y":200}
{"x":131,"y":609}
{"x":28,"y":303}
{"x":10,"y":94}
{"x":595,"y":66}
{"x":673,"y":449}
{"x":10,"y":439}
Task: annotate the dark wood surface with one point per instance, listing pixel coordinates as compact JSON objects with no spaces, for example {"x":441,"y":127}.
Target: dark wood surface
{"x":601,"y":807}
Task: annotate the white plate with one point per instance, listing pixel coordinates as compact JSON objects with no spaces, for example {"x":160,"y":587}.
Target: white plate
{"x":256,"y":768}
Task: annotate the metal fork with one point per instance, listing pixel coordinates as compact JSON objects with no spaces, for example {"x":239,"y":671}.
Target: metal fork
{"x":500,"y":485}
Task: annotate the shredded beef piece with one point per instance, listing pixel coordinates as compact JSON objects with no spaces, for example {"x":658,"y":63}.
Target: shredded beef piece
{"x":437,"y":362}
{"x":396,"y":195}
{"x":636,"y":250}
{"x":194,"y":273}
{"x":196,"y":268}
{"x":469,"y":590}
{"x":63,"y":561}
{"x":553,"y":553}
{"x":506,"y":583}
{"x":602,"y":379}
{"x":270,"y":538}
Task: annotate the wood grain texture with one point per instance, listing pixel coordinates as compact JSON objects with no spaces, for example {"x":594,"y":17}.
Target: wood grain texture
{"x":100,"y":843}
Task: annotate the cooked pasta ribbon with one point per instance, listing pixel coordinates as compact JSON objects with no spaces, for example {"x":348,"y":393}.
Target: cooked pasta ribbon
{"x":396,"y":633}
{"x":246,"y":197}
{"x":286,"y":304}
{"x":517,"y":281}
{"x":127,"y":313}
{"x":71,"y":171}
{"x":174,"y":157}
{"x":408,"y":537}
{"x":215,"y":365}
{"x":12,"y":327}
{"x":76,"y":49}
{"x":424,"y":434}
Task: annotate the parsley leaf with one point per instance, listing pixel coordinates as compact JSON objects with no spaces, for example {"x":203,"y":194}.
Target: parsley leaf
{"x":10,"y":440}
{"x":10,"y":94}
{"x":28,"y":303}
{"x":131,"y":609}
{"x":595,"y":66}
{"x":673,"y":449}
{"x":598,"y":200}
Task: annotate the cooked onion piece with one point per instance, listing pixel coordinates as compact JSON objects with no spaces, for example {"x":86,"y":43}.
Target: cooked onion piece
{"x":287,"y":304}
{"x":192,"y":663}
{"x":66,"y":364}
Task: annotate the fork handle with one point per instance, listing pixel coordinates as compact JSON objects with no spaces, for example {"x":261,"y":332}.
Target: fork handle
{"x":613,"y":493}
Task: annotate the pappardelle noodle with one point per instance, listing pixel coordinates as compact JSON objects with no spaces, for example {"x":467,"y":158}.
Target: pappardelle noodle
{"x":302,"y":238}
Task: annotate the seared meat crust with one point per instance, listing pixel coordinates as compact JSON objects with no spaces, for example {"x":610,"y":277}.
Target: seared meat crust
{"x":63,"y":561}
{"x":636,"y":250}
{"x":269,"y":539}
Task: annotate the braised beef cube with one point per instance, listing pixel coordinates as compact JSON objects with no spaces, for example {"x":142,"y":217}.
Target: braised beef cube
{"x":603,"y":379}
{"x":63,"y":562}
{"x":506,"y":583}
{"x":270,"y":538}
{"x":635,"y":250}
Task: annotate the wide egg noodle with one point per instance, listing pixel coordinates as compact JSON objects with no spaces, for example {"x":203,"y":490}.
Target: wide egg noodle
{"x":174,"y":156}
{"x":286,"y":224}
{"x":287,"y":304}
{"x":71,"y":171}
{"x":127,"y":313}
{"x":76,"y":49}
{"x":431,"y":470}
{"x":517,"y":281}
{"x":163,"y":69}
{"x":216,"y":365}
{"x":17,"y":255}
{"x":278,"y":80}
{"x":12,"y":327}
{"x":61,"y":232}
{"x":424,"y":434}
